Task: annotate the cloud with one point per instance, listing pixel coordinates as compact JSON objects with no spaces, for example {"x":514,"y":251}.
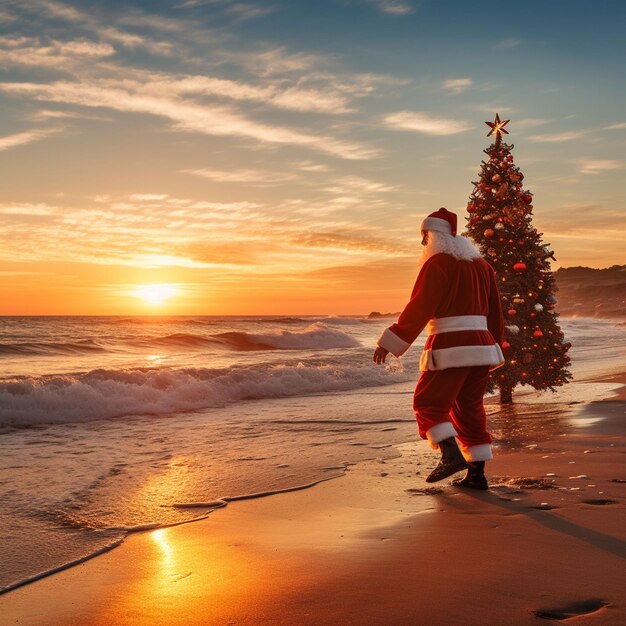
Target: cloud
{"x":234,"y":253}
{"x":393,"y":7}
{"x":587,"y":221}
{"x":596,"y":166}
{"x":456,"y":85}
{"x":619,"y":126}
{"x":313,"y":92}
{"x":378,"y":276}
{"x":272,"y":61}
{"x":295,"y":98}
{"x":185,"y":116}
{"x":55,"y":54}
{"x":508,"y":43}
{"x":27,"y":209}
{"x":84,"y":20}
{"x":140,"y":229}
{"x":244,"y":10}
{"x":311,"y":166}
{"x":255,"y":177}
{"x":355,"y":186}
{"x":63,"y":11}
{"x":152,"y":21}
{"x":558,"y":137}
{"x":27,"y":136}
{"x":492,"y":109}
{"x":148,"y":197}
{"x":351,"y":243}
{"x":530,"y":122}
{"x":249,"y":11}
{"x":6,"y":17}
{"x":47,"y":114}
{"x":424,"y":123}
{"x":311,"y":100}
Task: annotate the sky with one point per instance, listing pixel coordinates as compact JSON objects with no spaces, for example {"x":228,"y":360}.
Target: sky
{"x":277,"y":156}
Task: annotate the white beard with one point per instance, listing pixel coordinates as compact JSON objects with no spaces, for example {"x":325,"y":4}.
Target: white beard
{"x":460,"y":247}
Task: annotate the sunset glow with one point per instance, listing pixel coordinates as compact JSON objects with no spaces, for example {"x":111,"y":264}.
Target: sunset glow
{"x":286,"y":170}
{"x":155,"y":294}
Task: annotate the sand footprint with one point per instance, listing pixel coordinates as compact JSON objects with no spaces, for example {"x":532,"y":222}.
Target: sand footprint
{"x":575,"y":609}
{"x":600,"y":501}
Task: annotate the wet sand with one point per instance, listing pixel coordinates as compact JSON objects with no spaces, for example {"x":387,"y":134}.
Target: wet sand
{"x":378,"y":546}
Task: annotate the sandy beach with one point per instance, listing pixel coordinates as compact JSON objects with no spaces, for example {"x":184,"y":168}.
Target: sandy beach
{"x":253,"y":251}
{"x":379,"y":546}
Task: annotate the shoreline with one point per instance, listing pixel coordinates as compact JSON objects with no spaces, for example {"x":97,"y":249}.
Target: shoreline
{"x":212,"y":506}
{"x":398,"y":479}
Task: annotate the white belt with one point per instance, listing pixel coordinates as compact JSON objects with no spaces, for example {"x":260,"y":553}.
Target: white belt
{"x":436,"y":326}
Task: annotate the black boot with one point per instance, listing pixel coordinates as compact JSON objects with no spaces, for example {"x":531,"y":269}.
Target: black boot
{"x":451,"y":462}
{"x":475,"y":477}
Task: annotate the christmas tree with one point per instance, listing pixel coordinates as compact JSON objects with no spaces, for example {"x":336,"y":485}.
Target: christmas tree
{"x":500,"y":222}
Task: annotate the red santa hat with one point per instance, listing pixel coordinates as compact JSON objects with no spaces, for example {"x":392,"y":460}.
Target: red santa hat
{"x":443,"y":221}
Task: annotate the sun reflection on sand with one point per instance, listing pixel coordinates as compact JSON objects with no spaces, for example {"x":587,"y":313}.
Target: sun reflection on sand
{"x":160,"y":536}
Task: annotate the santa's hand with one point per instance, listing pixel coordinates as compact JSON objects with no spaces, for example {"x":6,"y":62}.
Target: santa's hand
{"x":380,"y":355}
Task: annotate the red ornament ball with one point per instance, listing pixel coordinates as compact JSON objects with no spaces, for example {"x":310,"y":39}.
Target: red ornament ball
{"x":520,"y":267}
{"x":489,"y":233}
{"x":527,"y":198}
{"x":496,"y":178}
{"x":512,"y":312}
{"x":506,"y":345}
{"x":471,"y":208}
{"x":538,"y":333}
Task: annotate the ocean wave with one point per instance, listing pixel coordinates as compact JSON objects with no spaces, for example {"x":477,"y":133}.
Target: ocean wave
{"x":86,"y":346}
{"x":208,"y":321}
{"x":341,"y":320}
{"x":145,"y":319}
{"x":248,"y":320}
{"x":315,"y":336}
{"x":109,"y":393}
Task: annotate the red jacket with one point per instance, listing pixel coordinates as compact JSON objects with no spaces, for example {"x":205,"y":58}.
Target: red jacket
{"x":459,"y":301}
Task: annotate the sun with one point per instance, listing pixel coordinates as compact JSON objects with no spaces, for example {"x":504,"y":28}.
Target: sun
{"x":155,"y":294}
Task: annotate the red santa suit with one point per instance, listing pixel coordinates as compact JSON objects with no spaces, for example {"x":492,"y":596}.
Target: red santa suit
{"x":456,"y":298}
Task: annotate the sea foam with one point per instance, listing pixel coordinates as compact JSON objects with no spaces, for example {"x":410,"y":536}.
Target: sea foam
{"x":109,"y":393}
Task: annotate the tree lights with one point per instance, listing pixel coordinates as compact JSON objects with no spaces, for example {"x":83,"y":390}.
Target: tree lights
{"x":500,"y":221}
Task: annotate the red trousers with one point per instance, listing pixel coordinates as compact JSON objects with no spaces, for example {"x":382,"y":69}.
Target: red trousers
{"x":449,"y":403}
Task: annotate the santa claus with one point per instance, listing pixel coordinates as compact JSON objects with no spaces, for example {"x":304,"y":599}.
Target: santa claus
{"x":456,"y":296}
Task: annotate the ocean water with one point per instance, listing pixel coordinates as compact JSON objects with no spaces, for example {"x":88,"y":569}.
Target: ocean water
{"x":113,"y":424}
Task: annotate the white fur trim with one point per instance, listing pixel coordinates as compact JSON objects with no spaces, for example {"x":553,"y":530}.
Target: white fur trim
{"x":459,"y":247}
{"x":461,"y":356}
{"x":390,"y":341}
{"x":436,"y":223}
{"x":451,"y":324}
{"x":481,"y":452}
{"x":439,"y":432}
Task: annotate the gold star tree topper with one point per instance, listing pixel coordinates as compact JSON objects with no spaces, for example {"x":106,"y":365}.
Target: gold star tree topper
{"x":497,"y":127}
